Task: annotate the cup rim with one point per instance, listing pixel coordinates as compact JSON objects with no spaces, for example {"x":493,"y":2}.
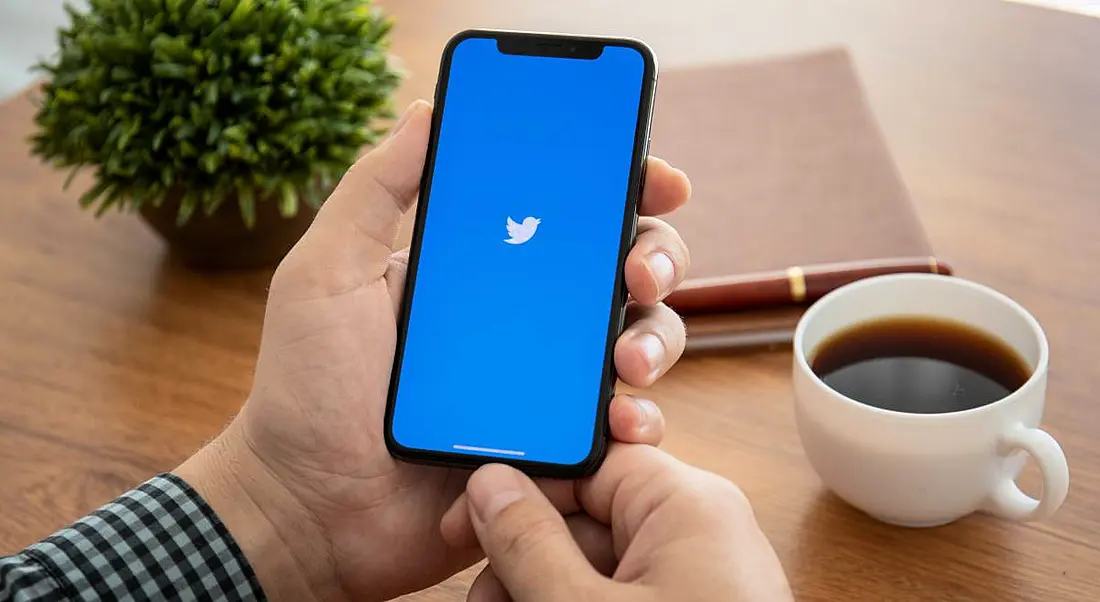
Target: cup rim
{"x":808,"y":316}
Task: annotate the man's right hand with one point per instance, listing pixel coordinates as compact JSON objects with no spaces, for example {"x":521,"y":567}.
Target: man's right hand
{"x":652,"y":528}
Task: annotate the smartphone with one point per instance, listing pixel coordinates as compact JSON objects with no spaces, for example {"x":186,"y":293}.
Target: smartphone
{"x":515,"y":294}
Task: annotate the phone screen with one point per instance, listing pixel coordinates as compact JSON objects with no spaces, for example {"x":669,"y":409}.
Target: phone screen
{"x":507,"y":335}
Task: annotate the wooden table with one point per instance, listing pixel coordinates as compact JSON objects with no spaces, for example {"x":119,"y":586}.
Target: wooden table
{"x":115,"y":364}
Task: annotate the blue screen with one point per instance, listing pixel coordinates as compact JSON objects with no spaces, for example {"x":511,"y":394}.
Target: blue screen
{"x":508,"y":324}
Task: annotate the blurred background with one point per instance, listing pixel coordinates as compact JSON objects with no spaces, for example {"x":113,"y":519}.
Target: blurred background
{"x":27,"y":33}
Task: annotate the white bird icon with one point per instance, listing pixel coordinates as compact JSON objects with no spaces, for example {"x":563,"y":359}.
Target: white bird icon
{"x":521,"y":233}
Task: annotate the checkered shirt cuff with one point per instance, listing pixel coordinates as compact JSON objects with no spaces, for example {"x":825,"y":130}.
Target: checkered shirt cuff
{"x":160,"y":541}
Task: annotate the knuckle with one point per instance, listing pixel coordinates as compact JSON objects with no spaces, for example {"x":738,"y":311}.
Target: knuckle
{"x":704,"y":492}
{"x":523,"y":538}
{"x":641,"y":455}
{"x":294,"y":280}
{"x":723,"y":498}
{"x":733,"y":495}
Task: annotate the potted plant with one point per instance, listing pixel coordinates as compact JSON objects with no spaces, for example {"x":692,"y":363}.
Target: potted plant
{"x":223,"y":123}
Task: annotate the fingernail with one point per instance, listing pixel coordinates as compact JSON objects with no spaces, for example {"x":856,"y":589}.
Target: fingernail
{"x":664,"y":271}
{"x":491,"y":489}
{"x":649,"y":413}
{"x":409,"y":110}
{"x":654,"y":351}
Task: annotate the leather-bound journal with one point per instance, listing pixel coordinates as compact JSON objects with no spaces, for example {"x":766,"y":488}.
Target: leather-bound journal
{"x":788,"y":168}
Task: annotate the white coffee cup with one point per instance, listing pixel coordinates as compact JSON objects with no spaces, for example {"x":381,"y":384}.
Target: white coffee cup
{"x":922,"y":470}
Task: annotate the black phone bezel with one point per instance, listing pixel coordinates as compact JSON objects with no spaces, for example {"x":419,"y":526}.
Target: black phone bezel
{"x":536,"y":44}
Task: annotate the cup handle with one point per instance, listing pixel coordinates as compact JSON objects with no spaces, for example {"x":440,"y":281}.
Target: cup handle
{"x":1007,"y":500}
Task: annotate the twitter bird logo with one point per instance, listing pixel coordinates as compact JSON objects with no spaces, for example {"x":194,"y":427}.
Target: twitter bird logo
{"x":521,"y":233}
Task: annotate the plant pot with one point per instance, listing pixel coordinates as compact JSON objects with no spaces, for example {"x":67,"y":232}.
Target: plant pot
{"x":221,"y":241}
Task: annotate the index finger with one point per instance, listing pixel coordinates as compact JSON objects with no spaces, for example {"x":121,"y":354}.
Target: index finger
{"x":666,"y":188}
{"x":659,"y":507}
{"x":636,"y":482}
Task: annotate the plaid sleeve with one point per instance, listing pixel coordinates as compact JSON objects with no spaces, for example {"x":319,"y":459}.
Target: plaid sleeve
{"x":160,"y":541}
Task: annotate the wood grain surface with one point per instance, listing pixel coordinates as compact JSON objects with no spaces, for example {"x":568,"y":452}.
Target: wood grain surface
{"x":116,"y":364}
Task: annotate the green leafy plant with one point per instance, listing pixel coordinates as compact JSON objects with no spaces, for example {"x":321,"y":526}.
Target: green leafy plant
{"x":214,"y":99}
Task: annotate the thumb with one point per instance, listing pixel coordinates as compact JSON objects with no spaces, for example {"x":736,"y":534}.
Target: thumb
{"x":363,"y":214}
{"x":527,"y":542}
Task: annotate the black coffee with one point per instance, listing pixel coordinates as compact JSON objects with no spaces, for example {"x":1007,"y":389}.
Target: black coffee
{"x":919,"y":365}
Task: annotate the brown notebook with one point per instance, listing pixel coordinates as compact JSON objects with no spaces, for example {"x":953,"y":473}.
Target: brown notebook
{"x":788,"y":167}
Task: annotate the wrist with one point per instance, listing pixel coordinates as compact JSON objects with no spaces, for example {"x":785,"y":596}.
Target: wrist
{"x":278,"y":536}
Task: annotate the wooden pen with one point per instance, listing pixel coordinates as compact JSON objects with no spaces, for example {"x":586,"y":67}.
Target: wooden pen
{"x":742,"y":332}
{"x":796,"y":285}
